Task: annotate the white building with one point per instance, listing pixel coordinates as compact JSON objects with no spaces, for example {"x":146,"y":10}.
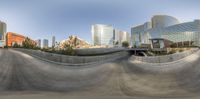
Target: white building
{"x":3,"y":29}
{"x":53,"y":41}
{"x":161,"y":21}
{"x":121,"y":36}
{"x":39,"y":43}
{"x":154,"y":29}
{"x":138,"y":33}
{"x":102,"y":35}
{"x":45,"y":43}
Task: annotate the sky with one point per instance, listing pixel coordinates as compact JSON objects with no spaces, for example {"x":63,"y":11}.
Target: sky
{"x":42,"y":19}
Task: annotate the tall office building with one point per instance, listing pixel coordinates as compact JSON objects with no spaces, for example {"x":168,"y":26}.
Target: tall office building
{"x":138,"y":33}
{"x":124,"y":36}
{"x":45,"y":43}
{"x":121,"y":36}
{"x":102,"y":35}
{"x":3,"y":29}
{"x":39,"y":43}
{"x":53,"y":41}
{"x":169,"y":28}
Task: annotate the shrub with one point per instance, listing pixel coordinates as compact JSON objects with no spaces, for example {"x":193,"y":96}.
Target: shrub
{"x":181,"y":50}
{"x":16,"y":45}
{"x":172,"y":52}
{"x":28,"y":43}
{"x":125,"y":44}
{"x":67,"y":50}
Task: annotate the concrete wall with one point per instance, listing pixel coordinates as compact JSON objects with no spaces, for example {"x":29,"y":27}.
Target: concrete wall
{"x":97,"y":51}
{"x":74,"y":59}
{"x":163,"y":59}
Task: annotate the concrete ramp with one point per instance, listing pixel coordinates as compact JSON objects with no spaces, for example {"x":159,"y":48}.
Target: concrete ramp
{"x":120,"y":79}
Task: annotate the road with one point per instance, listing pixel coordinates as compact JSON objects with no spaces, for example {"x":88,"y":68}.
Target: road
{"x":23,"y":76}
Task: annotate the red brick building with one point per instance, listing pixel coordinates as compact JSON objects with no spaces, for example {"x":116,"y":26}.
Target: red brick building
{"x":12,"y":38}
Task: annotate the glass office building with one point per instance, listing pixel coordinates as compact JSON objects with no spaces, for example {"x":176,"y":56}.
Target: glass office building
{"x":189,"y":31}
{"x":2,"y":33}
{"x":169,"y":28}
{"x":45,"y":43}
{"x":102,"y":35}
{"x":138,"y":33}
{"x":53,"y":41}
{"x":121,"y":36}
{"x":161,"y":21}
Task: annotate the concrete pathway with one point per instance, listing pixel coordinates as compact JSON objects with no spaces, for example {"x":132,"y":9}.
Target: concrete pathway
{"x":23,"y":76}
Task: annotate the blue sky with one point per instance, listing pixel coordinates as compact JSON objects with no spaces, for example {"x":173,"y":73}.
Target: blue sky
{"x":41,"y":19}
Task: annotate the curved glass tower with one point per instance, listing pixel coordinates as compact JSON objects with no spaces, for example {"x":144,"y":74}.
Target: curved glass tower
{"x":169,"y":28}
{"x":161,"y":21}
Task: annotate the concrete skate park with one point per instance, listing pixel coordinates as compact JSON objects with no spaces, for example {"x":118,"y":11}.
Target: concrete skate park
{"x":28,"y":74}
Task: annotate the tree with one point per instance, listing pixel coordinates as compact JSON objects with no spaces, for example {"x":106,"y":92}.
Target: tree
{"x":28,"y":43}
{"x":68,"y":49}
{"x":125,"y":44}
{"x":16,"y":45}
{"x":116,"y":43}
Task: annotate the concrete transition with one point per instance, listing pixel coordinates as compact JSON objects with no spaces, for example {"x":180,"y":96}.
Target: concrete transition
{"x":120,"y":79}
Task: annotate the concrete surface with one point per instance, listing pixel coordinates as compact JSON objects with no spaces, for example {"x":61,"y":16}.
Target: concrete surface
{"x":165,"y":58}
{"x":25,"y":77}
{"x":78,"y":60}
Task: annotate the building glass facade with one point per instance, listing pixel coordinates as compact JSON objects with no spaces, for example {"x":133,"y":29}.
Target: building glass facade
{"x":161,"y":21}
{"x":121,"y":36}
{"x":102,"y":35}
{"x":138,"y":33}
{"x":53,"y":41}
{"x":45,"y":43}
{"x":169,"y":28}
{"x":39,"y":43}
